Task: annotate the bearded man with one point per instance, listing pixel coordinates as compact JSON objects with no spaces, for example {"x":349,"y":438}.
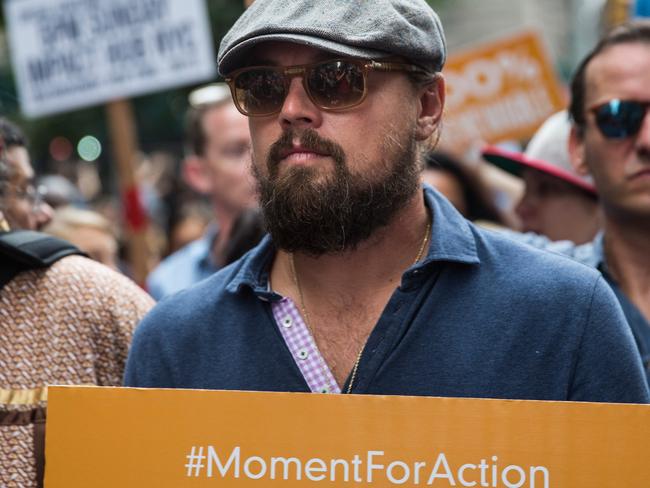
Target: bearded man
{"x":368,"y":283}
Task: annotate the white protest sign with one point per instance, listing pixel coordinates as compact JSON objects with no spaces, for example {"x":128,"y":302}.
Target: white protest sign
{"x":69,"y":54}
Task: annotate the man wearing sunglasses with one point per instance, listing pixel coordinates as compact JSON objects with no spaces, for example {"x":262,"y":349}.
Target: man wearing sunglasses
{"x":368,"y":283}
{"x":22,"y":205}
{"x":64,"y":318}
{"x":610,"y":140}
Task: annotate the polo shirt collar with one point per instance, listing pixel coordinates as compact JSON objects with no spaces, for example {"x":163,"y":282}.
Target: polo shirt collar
{"x":451,"y":234}
{"x":451,"y":240}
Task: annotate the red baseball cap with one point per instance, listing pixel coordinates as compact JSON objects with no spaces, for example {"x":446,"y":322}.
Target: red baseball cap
{"x":547,"y":152}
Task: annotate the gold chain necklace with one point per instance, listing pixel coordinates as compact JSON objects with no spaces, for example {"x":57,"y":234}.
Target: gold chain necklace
{"x":305,"y":314}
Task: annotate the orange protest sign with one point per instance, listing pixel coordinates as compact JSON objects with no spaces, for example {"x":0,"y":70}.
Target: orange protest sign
{"x":499,"y":91}
{"x":109,"y":437}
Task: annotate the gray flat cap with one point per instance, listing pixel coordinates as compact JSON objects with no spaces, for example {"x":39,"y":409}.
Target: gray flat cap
{"x":368,"y":29}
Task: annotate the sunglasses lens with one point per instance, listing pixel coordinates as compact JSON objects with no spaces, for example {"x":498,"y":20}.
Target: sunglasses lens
{"x":336,"y":84}
{"x":618,"y":119}
{"x":259,"y":91}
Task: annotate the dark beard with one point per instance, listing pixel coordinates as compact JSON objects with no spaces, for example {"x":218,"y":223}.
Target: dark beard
{"x":335,"y":213}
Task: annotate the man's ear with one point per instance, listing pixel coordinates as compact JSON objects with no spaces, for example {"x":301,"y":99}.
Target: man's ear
{"x":195,"y":174}
{"x":577,"y":151}
{"x":431,"y":105}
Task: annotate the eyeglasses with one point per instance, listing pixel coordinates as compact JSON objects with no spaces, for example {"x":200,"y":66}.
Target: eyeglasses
{"x":332,"y":85}
{"x":619,"y":119}
{"x":32,"y":195}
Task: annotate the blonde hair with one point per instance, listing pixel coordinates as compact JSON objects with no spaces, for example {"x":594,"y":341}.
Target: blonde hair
{"x":68,"y":219}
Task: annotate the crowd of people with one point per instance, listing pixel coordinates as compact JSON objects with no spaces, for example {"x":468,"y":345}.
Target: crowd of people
{"x":329,"y":246}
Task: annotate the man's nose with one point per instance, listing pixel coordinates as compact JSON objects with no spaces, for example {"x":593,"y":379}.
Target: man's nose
{"x":44,"y":214}
{"x":298,"y":110}
{"x":526,"y":206}
{"x":642,"y":141}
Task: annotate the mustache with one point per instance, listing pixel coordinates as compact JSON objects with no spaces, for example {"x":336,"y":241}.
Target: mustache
{"x":310,"y":140}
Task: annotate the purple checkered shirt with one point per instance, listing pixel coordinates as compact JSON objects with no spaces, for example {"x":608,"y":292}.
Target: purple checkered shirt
{"x":303,"y":347}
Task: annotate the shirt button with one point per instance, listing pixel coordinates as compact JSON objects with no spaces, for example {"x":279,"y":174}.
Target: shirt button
{"x":287,"y":322}
{"x":325,"y":389}
{"x":303,"y":354}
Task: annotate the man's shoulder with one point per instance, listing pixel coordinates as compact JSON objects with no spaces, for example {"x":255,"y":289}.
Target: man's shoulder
{"x":81,"y":286}
{"x":97,"y":278}
{"x":512,"y":263}
{"x":531,"y":268}
{"x":78,"y":269}
{"x":589,"y":254}
{"x":225,"y":297}
{"x":198,"y":301}
{"x":547,"y":296}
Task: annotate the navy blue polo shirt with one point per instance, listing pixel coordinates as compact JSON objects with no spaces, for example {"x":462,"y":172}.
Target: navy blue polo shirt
{"x":592,"y":254}
{"x":479,"y":316}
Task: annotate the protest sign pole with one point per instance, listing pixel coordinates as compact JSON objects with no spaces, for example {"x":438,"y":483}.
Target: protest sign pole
{"x":122,"y":127}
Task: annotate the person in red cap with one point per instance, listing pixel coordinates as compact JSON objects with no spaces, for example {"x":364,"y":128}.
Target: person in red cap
{"x":557,"y":202}
{"x":22,"y":205}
